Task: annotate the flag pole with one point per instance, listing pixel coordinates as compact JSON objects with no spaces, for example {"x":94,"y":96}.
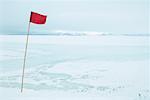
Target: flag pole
{"x":25,"y":54}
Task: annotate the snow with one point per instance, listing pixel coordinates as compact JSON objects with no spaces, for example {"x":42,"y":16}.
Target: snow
{"x":75,"y":67}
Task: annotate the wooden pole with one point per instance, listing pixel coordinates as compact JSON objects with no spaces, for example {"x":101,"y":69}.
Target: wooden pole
{"x":25,"y":54}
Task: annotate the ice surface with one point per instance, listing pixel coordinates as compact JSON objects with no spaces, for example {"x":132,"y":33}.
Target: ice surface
{"x":75,"y":67}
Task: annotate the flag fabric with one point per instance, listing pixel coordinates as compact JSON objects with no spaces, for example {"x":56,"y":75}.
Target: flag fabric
{"x":37,"y":18}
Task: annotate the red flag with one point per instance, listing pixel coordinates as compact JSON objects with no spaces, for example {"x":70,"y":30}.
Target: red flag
{"x":37,"y":18}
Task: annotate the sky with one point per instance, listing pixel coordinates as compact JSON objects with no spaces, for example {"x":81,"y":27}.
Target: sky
{"x":115,"y":16}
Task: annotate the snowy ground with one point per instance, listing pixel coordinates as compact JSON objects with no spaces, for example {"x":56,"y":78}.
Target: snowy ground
{"x":75,"y":68}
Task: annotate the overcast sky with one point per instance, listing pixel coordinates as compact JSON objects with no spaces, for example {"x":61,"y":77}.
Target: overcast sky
{"x":116,"y":16}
